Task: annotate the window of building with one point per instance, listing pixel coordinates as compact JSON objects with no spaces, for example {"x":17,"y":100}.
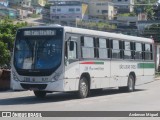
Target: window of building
{"x":71,"y":9}
{"x":53,"y":10}
{"x":63,"y":16}
{"x":98,"y":4}
{"x":104,"y":11}
{"x":77,"y":9}
{"x":104,"y":4}
{"x":87,"y":44}
{"x":57,"y":17}
{"x":58,"y":10}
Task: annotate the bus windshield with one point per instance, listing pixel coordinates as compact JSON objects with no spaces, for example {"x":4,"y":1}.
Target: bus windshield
{"x":38,"y":52}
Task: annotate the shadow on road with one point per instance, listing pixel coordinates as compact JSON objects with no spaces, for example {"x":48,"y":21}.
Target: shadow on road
{"x":56,"y":97}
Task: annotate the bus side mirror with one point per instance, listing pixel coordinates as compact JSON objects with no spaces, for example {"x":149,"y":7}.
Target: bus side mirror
{"x":71,"y":45}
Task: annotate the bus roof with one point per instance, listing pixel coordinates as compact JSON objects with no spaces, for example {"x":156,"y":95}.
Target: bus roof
{"x":89,"y":32}
{"x":107,"y":34}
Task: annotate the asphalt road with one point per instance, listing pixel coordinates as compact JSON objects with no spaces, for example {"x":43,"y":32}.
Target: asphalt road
{"x":145,"y":98}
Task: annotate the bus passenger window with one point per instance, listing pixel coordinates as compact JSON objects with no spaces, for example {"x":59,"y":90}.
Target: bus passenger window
{"x":138,"y":51}
{"x":148,"y":52}
{"x":87,"y":44}
{"x":127,"y":51}
{"x":102,"y":50}
{"x":116,"y":50}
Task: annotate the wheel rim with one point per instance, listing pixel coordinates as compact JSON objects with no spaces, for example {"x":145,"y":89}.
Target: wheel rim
{"x":84,"y":88}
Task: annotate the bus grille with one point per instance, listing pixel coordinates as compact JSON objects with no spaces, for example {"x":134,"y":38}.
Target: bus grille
{"x":34,"y":86}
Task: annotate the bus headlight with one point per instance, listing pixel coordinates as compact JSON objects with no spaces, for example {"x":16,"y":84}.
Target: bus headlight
{"x":56,"y":77}
{"x":15,"y":77}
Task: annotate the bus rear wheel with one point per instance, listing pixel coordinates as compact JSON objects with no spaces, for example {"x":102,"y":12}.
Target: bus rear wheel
{"x":40,"y":94}
{"x":130,"y":85}
{"x":83,"y":88}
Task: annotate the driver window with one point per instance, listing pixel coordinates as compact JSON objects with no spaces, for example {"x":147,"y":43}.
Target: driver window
{"x":72,"y":54}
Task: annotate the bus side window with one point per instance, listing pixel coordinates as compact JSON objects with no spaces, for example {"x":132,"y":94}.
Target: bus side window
{"x":87,"y":47}
{"x":132,"y":46}
{"x":127,"y":50}
{"x":148,"y":52}
{"x":102,"y":48}
{"x":115,"y":49}
{"x":138,"y":51}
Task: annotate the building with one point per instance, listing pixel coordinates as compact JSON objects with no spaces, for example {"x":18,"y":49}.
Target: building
{"x":124,"y":6}
{"x":67,"y":12}
{"x":38,"y":5}
{"x":20,"y":3}
{"x":46,"y":13}
{"x":38,"y":2}
{"x":103,"y":9}
{"x":8,"y":12}
{"x":23,"y":7}
{"x":128,"y":20}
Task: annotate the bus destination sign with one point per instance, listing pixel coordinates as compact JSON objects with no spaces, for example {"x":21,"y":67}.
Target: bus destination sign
{"x":39,"y":32}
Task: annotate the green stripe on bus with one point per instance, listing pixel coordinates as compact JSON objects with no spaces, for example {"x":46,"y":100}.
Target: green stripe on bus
{"x":101,"y":63}
{"x":146,"y":65}
{"x":92,"y":63}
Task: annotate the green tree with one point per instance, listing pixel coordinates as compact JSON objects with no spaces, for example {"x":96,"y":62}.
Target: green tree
{"x":153,"y":31}
{"x":4,"y":54}
{"x":146,"y":7}
{"x":7,"y":36}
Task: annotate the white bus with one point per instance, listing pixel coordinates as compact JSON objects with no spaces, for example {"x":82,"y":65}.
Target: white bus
{"x":60,"y":58}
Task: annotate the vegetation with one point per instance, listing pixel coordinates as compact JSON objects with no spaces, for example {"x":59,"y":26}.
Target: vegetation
{"x":34,"y":15}
{"x":47,"y":6}
{"x":96,"y":25}
{"x":128,"y":14}
{"x":153,"y":31}
{"x":7,"y":36}
{"x":146,"y":8}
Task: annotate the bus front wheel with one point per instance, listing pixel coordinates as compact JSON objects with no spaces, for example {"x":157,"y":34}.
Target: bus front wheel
{"x":83,"y":88}
{"x":40,"y":94}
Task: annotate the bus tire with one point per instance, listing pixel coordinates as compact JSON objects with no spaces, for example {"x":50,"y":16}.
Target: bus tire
{"x":83,"y":91}
{"x":130,"y":85}
{"x":40,"y":94}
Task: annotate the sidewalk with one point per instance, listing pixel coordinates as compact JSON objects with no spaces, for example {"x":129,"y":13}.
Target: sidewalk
{"x":157,"y":78}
